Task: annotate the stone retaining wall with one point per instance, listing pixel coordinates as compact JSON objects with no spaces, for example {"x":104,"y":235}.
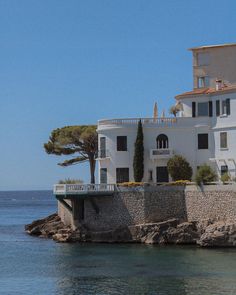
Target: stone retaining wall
{"x":131,"y":206}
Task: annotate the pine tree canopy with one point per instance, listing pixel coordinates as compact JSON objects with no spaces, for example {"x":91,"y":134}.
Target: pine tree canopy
{"x":81,"y":140}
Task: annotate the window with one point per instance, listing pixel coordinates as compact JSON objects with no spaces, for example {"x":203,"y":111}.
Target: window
{"x":226,"y":107}
{"x":121,"y":143}
{"x":224,"y":169}
{"x":102,"y":147}
{"x":162,"y":141}
{"x":150,"y":175}
{"x":223,"y":140}
{"x":203,"y":82}
{"x":202,"y":141}
{"x":202,"y":58}
{"x":122,"y":175}
{"x":193,"y":109}
{"x":103,"y":175}
{"x":217,"y":108}
{"x":203,"y":109}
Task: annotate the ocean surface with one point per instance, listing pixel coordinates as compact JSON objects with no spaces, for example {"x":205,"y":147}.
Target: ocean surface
{"x":31,"y":265}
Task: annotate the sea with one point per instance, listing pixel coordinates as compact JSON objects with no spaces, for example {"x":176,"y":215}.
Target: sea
{"x":38,"y":266}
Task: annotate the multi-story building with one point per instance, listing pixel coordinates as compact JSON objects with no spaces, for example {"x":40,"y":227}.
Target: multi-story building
{"x":203,"y":132}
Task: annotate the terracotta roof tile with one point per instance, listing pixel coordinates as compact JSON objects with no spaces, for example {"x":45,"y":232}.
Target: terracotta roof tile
{"x":203,"y":91}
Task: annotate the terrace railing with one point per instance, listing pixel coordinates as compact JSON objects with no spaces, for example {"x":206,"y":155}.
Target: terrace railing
{"x":134,"y":121}
{"x":83,"y":188}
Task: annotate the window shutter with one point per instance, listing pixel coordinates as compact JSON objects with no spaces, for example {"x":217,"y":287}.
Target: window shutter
{"x":210,"y":108}
{"x":193,"y":109}
{"x":217,"y":108}
{"x":228,"y":106}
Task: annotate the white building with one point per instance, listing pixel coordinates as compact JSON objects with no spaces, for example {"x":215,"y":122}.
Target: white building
{"x":203,"y":132}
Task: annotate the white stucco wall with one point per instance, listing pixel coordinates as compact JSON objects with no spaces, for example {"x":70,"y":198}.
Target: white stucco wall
{"x":183,"y":139}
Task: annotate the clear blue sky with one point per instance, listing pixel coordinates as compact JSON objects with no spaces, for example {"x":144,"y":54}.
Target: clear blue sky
{"x":74,"y":62}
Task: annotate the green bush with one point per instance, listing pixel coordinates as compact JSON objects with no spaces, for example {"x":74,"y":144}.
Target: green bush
{"x":225,"y":177}
{"x":205,"y":174}
{"x":70,"y":181}
{"x":179,"y":168}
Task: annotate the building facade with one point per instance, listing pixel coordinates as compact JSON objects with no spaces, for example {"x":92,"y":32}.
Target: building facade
{"x":203,"y":132}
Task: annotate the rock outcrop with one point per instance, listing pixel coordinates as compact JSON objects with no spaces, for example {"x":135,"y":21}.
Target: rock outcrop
{"x":49,"y":227}
{"x":173,"y":231}
{"x":219,"y":234}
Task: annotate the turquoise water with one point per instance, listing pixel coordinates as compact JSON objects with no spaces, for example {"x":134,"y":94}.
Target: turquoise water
{"x":30,"y":265}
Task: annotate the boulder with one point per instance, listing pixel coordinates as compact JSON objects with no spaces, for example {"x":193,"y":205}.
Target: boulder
{"x":46,"y":227}
{"x":184,"y":233}
{"x":219,"y":234}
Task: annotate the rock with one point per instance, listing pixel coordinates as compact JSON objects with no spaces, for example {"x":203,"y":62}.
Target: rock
{"x":219,"y":234}
{"x":184,"y":233}
{"x":170,"y":232}
{"x":205,"y":233}
{"x":47,"y":227}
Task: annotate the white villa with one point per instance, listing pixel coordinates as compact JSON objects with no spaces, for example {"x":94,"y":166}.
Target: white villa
{"x":203,"y":132}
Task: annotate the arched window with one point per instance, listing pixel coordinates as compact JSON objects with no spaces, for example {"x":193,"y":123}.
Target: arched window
{"x":162,"y":141}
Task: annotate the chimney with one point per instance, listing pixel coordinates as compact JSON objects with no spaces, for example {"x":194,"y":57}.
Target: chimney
{"x":219,"y":84}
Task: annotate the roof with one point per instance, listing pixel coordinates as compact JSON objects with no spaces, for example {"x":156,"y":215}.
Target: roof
{"x":206,"y":91}
{"x":212,"y":46}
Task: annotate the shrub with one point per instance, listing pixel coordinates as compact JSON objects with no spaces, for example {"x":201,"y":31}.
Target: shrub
{"x":70,"y":181}
{"x":131,"y":184}
{"x":179,"y":168}
{"x":205,"y":174}
{"x":225,"y":177}
{"x":177,"y":183}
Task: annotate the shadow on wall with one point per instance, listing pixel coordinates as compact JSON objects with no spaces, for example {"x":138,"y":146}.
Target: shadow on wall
{"x":124,"y":208}
{"x":162,"y":203}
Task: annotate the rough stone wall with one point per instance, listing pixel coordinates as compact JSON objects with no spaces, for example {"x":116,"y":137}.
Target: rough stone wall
{"x":163,"y":203}
{"x":64,"y":214}
{"x":124,"y":208}
{"x":216,"y":203}
{"x":154,"y":204}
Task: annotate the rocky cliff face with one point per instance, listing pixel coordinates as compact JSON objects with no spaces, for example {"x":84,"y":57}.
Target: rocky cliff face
{"x":204,"y":233}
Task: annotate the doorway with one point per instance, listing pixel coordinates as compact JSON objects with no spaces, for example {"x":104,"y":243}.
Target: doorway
{"x":162,"y":174}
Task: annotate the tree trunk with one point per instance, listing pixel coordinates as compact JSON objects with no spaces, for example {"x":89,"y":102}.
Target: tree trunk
{"x":92,"y":163}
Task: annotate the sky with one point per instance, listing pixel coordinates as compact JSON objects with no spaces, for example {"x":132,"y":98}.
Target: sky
{"x":75,"y":62}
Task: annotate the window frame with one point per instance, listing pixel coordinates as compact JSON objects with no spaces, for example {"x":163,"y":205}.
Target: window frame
{"x":224,"y":169}
{"x":201,"y":103}
{"x":225,"y":107}
{"x":121,"y":146}
{"x":102,"y":175}
{"x":203,"y":81}
{"x":201,"y":144}
{"x":120,"y":178}
{"x":222,"y":147}
{"x":102,"y":147}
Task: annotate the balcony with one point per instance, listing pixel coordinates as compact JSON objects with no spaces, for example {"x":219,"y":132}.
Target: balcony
{"x":83,"y":189}
{"x":103,"y":154}
{"x":161,"y":154}
{"x":134,"y":121}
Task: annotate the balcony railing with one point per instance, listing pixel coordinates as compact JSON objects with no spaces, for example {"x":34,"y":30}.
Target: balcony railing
{"x":69,"y":189}
{"x":134,"y":121}
{"x":160,"y":153}
{"x":103,"y":154}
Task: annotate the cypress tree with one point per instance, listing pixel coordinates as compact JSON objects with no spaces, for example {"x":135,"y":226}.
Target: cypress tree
{"x":138,"y":165}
